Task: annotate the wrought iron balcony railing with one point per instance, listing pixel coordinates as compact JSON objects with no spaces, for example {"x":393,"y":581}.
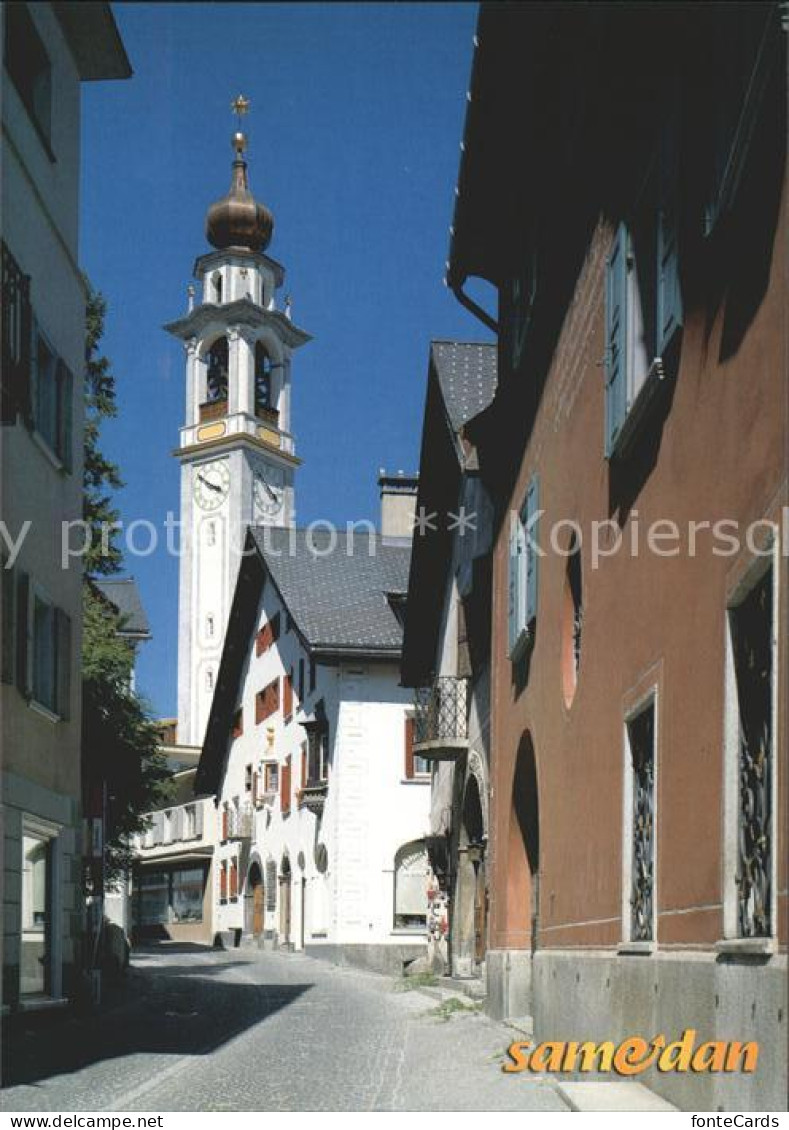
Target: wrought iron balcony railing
{"x":441,"y":719}
{"x":313,"y":796}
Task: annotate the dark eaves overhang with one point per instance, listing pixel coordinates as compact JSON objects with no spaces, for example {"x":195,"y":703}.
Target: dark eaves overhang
{"x":498,"y":163}
{"x":440,"y":472}
{"x":93,"y":39}
{"x":216,"y":745}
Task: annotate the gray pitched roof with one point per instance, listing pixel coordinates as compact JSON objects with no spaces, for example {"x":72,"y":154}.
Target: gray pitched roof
{"x":467,"y":374}
{"x":125,"y":596}
{"x":338,"y":597}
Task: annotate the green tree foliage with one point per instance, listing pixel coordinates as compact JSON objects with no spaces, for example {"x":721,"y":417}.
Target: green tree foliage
{"x":101,"y":476}
{"x":119,"y":737}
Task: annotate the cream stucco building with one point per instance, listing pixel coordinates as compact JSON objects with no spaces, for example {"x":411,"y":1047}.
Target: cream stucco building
{"x":49,"y":51}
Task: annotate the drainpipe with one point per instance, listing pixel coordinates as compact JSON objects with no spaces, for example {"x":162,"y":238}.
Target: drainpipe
{"x":474,"y":307}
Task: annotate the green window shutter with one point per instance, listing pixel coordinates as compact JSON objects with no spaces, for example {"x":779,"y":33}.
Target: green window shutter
{"x":63,"y":664}
{"x":23,"y":632}
{"x":8,"y":621}
{"x":532,"y":560}
{"x":616,"y":339}
{"x":66,"y":415}
{"x":514,"y":582}
{"x":669,"y":292}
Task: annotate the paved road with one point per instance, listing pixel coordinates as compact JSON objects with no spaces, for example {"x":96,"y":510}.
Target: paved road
{"x":242,"y":1030}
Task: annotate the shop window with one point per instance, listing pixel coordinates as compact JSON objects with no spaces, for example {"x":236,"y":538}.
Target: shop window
{"x":410,"y":887}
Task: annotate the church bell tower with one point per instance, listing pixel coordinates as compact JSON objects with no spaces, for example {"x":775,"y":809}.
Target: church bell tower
{"x":237,"y":451}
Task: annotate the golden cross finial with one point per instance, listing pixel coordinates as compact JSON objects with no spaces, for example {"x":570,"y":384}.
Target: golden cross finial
{"x":240,"y":106}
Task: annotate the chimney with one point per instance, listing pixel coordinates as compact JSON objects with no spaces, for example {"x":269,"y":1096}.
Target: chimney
{"x":398,"y":503}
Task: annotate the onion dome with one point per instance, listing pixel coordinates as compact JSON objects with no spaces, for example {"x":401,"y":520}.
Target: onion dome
{"x":237,"y":220}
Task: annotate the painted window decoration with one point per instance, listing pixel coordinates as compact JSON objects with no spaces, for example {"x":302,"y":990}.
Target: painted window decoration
{"x":267,"y":701}
{"x":751,"y":624}
{"x":523,"y":571}
{"x":268,"y":634}
{"x":643,"y":297}
{"x":641,"y":740}
{"x":411,"y":875}
{"x":271,"y":778}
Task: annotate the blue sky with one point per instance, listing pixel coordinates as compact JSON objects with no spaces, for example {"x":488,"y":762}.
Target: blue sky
{"x":357,"y":115}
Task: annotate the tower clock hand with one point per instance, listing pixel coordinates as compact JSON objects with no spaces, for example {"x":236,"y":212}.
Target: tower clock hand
{"x":211,"y":486}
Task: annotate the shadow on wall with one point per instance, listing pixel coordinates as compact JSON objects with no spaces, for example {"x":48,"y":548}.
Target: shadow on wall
{"x":182,"y":1010}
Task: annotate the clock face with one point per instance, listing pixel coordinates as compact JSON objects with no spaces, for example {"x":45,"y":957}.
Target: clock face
{"x":268,"y":491}
{"x":211,"y":484}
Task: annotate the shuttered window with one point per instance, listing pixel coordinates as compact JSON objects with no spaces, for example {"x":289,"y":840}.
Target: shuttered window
{"x":643,"y":308}
{"x":267,"y":701}
{"x":287,"y":696}
{"x":267,"y":635}
{"x":17,"y":323}
{"x":8,"y":621}
{"x":523,"y":571}
{"x":285,"y":786}
{"x":616,"y":338}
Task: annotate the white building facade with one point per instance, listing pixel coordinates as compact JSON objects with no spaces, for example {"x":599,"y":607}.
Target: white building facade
{"x":49,"y":50}
{"x":321,"y":808}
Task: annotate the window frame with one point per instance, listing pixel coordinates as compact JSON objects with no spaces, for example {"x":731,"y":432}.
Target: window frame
{"x":745,"y":580}
{"x":33,"y":83}
{"x":648,"y":701}
{"x":643,"y":324}
{"x":523,"y":571}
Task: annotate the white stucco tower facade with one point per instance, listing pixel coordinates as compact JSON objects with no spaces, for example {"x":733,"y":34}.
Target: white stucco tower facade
{"x":236,"y":450}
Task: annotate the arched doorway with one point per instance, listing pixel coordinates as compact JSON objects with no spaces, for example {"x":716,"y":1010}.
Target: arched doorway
{"x":284,"y":901}
{"x":254,"y":901}
{"x":523,"y":866}
{"x":469,"y":918}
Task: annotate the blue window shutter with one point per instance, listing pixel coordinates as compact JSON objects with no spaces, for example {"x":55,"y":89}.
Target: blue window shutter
{"x":616,"y":338}
{"x":514,"y":583}
{"x":532,"y":526}
{"x":669,"y":293}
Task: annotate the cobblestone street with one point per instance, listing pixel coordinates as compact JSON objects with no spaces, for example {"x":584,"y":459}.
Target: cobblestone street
{"x":195,"y":1029}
